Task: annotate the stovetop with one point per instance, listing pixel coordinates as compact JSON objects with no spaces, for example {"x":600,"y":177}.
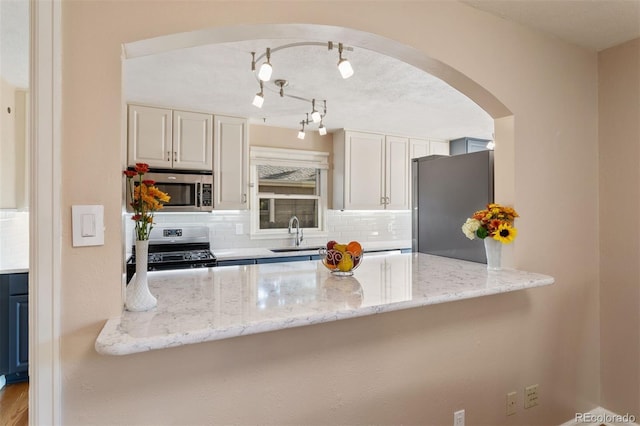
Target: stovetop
{"x":176,"y":248}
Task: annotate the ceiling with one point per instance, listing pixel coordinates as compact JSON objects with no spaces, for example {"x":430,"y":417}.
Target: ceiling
{"x":592,"y":24}
{"x":384,"y":95}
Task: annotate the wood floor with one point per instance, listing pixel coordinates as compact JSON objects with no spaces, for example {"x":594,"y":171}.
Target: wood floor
{"x":14,"y":404}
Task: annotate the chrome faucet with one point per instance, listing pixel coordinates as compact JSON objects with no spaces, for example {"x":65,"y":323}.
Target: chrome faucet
{"x":299,"y":231}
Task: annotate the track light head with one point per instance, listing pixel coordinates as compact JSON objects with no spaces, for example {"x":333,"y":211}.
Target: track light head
{"x":266,"y":69}
{"x":322,"y":130}
{"x":258,"y":99}
{"x":301,"y":132}
{"x":315,"y":115}
{"x":344,"y":66}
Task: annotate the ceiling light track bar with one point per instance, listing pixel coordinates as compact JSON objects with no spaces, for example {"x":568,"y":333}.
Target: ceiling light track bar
{"x":330,"y":45}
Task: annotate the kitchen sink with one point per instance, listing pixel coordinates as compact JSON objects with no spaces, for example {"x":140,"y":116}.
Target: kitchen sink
{"x":296,"y":249}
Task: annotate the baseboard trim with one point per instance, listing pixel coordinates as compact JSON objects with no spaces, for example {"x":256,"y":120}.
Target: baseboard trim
{"x":601,"y":416}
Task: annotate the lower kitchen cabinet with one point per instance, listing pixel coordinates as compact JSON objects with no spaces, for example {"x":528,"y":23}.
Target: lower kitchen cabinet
{"x":14,"y":327}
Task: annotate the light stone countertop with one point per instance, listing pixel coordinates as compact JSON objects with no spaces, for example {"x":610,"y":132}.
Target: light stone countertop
{"x":201,"y":305}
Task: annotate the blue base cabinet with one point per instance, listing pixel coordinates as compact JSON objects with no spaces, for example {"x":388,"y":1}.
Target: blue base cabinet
{"x":14,"y":327}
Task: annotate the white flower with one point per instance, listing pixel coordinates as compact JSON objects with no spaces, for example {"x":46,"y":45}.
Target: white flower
{"x":470,"y":227}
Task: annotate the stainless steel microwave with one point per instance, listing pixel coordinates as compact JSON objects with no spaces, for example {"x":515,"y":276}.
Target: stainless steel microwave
{"x":190,"y":191}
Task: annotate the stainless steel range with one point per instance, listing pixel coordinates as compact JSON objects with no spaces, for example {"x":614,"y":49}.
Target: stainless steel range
{"x":176,"y":247}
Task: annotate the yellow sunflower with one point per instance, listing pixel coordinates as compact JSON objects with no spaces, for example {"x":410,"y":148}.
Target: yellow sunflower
{"x":505,"y":233}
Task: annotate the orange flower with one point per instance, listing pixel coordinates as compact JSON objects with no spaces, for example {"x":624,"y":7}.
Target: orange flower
{"x":145,"y":199}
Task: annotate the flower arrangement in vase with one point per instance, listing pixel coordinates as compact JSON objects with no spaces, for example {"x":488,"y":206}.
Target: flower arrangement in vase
{"x":146,"y":200}
{"x":494,"y":225}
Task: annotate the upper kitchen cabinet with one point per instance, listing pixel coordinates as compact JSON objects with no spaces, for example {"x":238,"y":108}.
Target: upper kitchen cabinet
{"x":423,"y":147}
{"x":164,"y":138}
{"x":231,"y":158}
{"x":467,"y":145}
{"x":371,"y":171}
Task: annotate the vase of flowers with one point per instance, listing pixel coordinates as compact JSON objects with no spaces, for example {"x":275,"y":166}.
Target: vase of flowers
{"x":146,"y":200}
{"x":494,"y":225}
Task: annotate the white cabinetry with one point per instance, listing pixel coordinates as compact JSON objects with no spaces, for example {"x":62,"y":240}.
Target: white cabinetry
{"x":423,"y":147}
{"x":231,"y":163}
{"x":397,"y":172}
{"x":438,"y":147}
{"x":371,"y":171}
{"x":164,"y":138}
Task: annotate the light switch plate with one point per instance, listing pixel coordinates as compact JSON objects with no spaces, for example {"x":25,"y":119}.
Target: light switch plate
{"x":88,"y":225}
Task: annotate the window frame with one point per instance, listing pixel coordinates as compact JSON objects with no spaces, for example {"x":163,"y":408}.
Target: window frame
{"x":259,"y":155}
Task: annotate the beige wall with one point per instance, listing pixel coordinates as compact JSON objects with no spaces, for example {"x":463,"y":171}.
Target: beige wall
{"x":415,"y":366}
{"x":619,"y":135}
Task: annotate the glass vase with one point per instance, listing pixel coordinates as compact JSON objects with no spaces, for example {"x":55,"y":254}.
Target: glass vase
{"x":138,"y":297}
{"x":493,"y":249}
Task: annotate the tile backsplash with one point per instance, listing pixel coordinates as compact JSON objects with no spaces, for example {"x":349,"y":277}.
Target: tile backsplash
{"x":231,"y":229}
{"x":14,"y":240}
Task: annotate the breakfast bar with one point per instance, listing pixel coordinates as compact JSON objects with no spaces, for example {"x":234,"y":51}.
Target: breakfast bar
{"x":202,"y":305}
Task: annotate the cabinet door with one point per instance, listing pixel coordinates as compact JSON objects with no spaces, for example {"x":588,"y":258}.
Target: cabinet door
{"x":19,"y":333}
{"x":397,"y":173}
{"x":150,"y":136}
{"x":231,"y":154}
{"x":419,"y":148}
{"x":438,"y":147}
{"x":192,"y":140}
{"x":364,"y":171}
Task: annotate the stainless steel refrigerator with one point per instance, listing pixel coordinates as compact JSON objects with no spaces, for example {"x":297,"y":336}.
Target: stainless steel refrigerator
{"x":446,"y":191}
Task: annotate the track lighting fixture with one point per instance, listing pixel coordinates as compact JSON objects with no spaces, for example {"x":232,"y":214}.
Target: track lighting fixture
{"x":344,"y":66}
{"x":266,"y":69}
{"x":258,"y":99}
{"x":322,"y":130}
{"x":315,"y":115}
{"x":491,"y":145}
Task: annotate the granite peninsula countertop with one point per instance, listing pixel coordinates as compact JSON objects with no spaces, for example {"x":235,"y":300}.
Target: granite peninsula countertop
{"x":201,"y":305}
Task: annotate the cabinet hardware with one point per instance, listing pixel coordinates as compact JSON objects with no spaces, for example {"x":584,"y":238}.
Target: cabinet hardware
{"x":175,"y":155}
{"x":168,"y":155}
{"x":244,"y":198}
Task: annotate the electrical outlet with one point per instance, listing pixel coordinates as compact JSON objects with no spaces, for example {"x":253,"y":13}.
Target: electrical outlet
{"x":531,"y":396}
{"x":239,"y":229}
{"x":512,"y":400}
{"x":458,"y":418}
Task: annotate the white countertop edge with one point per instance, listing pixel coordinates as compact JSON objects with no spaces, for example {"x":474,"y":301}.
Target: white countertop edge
{"x":14,"y":270}
{"x":122,"y":345}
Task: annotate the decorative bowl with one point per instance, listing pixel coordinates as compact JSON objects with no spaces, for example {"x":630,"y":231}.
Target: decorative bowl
{"x":331,"y":259}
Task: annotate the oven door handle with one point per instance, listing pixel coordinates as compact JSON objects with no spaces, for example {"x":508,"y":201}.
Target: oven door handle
{"x":198,"y":194}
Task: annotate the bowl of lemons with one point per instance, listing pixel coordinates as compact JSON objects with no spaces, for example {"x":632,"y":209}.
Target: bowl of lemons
{"x":341,"y":259}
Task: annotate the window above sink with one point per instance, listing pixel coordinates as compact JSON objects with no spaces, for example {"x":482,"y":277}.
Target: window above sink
{"x":287,"y":183}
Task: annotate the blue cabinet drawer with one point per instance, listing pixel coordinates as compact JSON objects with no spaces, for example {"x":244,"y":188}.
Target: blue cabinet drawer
{"x":18,"y":284}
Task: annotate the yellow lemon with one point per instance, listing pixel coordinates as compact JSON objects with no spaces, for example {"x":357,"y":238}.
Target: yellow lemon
{"x":346,"y":263}
{"x":340,"y":247}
